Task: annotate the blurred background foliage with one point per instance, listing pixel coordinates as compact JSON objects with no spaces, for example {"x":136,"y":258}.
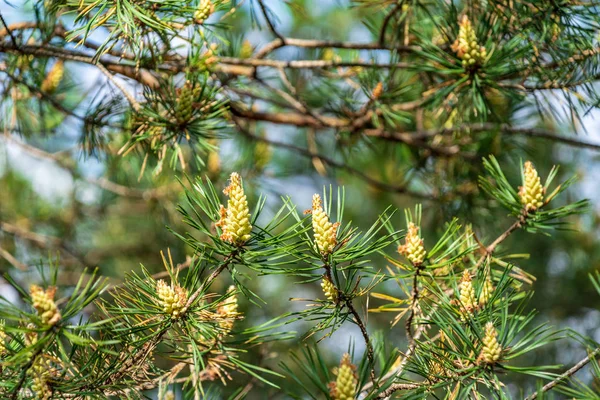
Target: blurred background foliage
{"x":67,"y":192}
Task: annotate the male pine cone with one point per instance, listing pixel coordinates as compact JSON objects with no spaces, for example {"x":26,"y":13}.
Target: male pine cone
{"x":235,"y":219}
{"x":467,"y":298}
{"x":228,"y":310}
{"x":491,"y":351}
{"x":204,"y":10}
{"x":325,"y":232}
{"x":43,"y":302}
{"x":344,"y":387}
{"x":172,"y":298}
{"x":466,"y":46}
{"x":413,"y":248}
{"x":329,"y":289}
{"x":486,"y":292}
{"x":532,"y":191}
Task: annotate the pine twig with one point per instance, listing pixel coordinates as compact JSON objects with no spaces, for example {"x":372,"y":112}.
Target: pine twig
{"x":566,"y":374}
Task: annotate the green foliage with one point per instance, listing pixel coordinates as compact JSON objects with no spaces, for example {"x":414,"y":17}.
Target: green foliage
{"x":434,"y":98}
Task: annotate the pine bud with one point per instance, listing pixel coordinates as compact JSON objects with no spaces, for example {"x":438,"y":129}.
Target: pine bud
{"x":228,"y":310}
{"x":325,"y":232}
{"x":246,"y":50}
{"x":413,"y":248}
{"x":532,"y":192}
{"x":204,"y":10}
{"x":466,"y":46}
{"x":185,"y":102}
{"x":491,"y":351}
{"x":344,"y":387}
{"x":467,"y":298}
{"x":172,"y":298}
{"x":43,"y":302}
{"x":486,"y":292}
{"x":235,"y":219}
{"x":329,"y":289}
{"x":52,"y":80}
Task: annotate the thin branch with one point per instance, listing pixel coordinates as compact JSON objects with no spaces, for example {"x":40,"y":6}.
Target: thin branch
{"x":323,"y":44}
{"x":396,"y":387}
{"x":309,"y":64}
{"x":413,"y":304}
{"x":366,"y":337}
{"x":12,"y":260}
{"x":480,"y":127}
{"x":566,"y":374}
{"x":134,"y":104}
{"x":42,"y":241}
{"x":265,"y":13}
{"x":303,"y":120}
{"x":9,"y":31}
{"x":387,"y":20}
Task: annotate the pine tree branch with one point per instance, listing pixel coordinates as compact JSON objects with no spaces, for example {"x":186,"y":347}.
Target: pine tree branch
{"x":478,"y":127}
{"x":265,"y":13}
{"x":396,"y":387}
{"x":566,"y":374}
{"x":8,"y":30}
{"x":412,"y":346}
{"x":134,"y":104}
{"x":149,"y":346}
{"x":387,"y":20}
{"x":413,"y":304}
{"x":323,"y":44}
{"x":366,"y":337}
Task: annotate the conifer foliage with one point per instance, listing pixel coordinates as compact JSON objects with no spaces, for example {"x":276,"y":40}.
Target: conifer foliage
{"x":436,"y":106}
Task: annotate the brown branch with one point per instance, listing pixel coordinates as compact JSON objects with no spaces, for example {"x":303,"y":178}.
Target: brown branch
{"x":8,"y":30}
{"x":489,"y":250}
{"x":308,"y":64}
{"x":265,"y":13}
{"x":303,"y":120}
{"x":396,"y":387}
{"x":387,"y":20}
{"x":226,"y":262}
{"x":12,"y":260}
{"x":480,"y":127}
{"x":566,"y":374}
{"x":366,"y":337}
{"x":413,"y":304}
{"x":321,"y":44}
